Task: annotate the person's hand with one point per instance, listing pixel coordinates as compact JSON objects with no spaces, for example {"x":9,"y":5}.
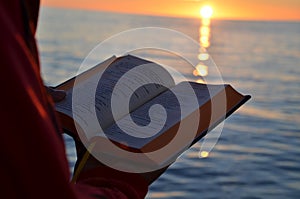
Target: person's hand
{"x":86,"y":162}
{"x":57,"y":95}
{"x":149,"y":177}
{"x":153,"y":175}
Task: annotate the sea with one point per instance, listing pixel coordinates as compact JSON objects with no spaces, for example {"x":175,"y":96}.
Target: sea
{"x":257,"y":154}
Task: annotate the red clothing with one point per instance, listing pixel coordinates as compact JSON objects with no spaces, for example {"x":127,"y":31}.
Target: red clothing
{"x":33,"y":161}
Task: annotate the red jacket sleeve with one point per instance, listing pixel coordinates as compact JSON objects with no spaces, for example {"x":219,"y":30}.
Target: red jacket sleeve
{"x":33,"y":162}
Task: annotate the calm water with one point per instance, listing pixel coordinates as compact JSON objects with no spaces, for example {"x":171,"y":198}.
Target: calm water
{"x":258,"y":153}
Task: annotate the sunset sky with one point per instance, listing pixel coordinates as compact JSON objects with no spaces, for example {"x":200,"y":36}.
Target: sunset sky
{"x":223,"y":9}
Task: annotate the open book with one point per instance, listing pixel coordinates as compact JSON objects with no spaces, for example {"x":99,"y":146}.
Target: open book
{"x":137,"y":106}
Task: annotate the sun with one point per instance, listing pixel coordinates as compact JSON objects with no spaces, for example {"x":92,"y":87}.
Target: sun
{"x":206,"y":11}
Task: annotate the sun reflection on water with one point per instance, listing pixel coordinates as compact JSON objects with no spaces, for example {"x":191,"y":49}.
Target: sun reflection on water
{"x":204,"y":33}
{"x":203,"y":56}
{"x":204,"y":154}
{"x":201,"y":69}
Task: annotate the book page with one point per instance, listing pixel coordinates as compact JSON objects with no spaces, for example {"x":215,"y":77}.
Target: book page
{"x":169,"y":108}
{"x":125,"y":85}
{"x":65,"y":106}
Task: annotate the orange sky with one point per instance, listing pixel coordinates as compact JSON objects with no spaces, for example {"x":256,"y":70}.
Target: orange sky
{"x":224,"y":9}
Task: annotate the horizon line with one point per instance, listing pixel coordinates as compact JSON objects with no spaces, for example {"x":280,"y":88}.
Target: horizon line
{"x":171,"y":16}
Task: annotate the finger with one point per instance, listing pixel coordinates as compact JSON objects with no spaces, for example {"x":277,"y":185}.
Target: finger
{"x":57,"y":95}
